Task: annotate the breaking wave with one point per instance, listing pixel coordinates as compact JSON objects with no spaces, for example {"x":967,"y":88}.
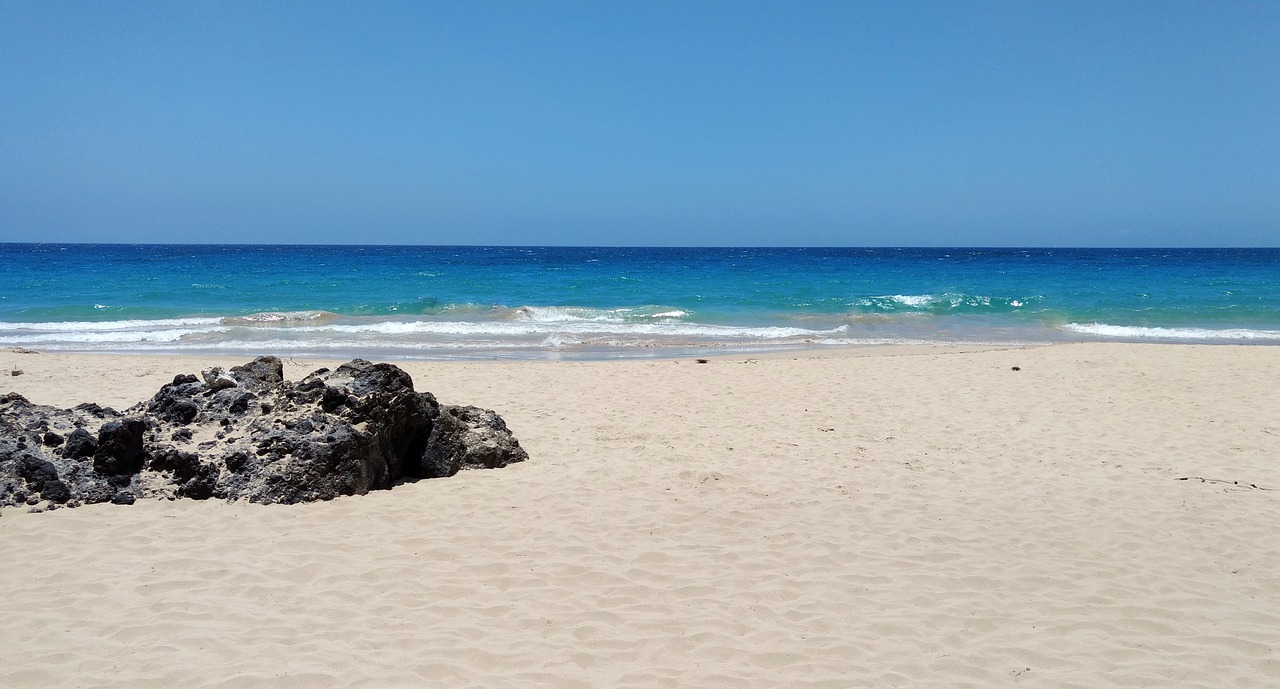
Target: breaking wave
{"x":569,"y":314}
{"x":1190,"y":334}
{"x":947,"y":302}
{"x":282,"y":318}
{"x":63,"y":326}
{"x":463,"y":329}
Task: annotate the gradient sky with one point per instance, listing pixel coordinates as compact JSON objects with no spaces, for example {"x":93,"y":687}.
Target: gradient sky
{"x":646,"y":123}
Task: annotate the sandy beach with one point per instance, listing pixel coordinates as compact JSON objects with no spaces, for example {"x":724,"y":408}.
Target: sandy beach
{"x":910,"y":517}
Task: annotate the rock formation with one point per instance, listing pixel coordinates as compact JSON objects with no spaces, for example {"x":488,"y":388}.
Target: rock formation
{"x":246,"y":433}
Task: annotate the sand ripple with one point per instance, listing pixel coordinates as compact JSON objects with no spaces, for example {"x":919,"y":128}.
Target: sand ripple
{"x":917,"y":521}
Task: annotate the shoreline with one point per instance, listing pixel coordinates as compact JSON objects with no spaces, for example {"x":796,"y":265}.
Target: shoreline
{"x":131,"y":373}
{"x":122,"y":375}
{"x":868,"y":519}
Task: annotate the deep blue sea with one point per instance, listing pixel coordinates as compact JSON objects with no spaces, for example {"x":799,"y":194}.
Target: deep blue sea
{"x":564,"y":302}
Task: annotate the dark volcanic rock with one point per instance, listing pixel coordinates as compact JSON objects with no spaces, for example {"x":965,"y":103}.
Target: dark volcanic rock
{"x":80,"y":444}
{"x":36,"y":471}
{"x":55,"y":491}
{"x":120,"y":448}
{"x":469,"y":438}
{"x":246,"y":433}
{"x":260,"y":373}
{"x":174,"y":403}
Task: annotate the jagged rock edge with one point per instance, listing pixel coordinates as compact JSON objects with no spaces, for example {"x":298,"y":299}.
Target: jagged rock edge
{"x":246,"y":434}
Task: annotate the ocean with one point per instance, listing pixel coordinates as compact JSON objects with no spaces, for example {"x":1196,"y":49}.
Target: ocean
{"x":441,"y":302}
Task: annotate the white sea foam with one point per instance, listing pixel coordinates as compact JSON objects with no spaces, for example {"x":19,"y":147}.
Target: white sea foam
{"x":572,"y":314}
{"x":278,"y":318}
{"x":1108,"y":330}
{"x":566,"y":314}
{"x":566,"y":326}
{"x":549,"y":328}
{"x":80,"y":326}
{"x":556,"y":340}
{"x":868,"y":341}
{"x":366,"y":344}
{"x":912,"y":300}
{"x":90,"y":337}
{"x":949,"y":300}
{"x":482,"y":328}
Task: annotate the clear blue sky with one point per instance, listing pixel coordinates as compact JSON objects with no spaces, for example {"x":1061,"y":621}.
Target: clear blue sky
{"x":647,"y":123}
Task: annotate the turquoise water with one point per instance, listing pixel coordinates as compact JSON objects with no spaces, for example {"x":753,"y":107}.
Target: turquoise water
{"x":539,"y":302}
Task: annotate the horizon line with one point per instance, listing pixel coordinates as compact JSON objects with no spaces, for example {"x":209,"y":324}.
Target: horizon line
{"x":653,"y":246}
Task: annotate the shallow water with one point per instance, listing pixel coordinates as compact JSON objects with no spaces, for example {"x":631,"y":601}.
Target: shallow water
{"x":539,"y":302}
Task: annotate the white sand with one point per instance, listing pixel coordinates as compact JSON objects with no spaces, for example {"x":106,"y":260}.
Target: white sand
{"x":924,"y":520}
